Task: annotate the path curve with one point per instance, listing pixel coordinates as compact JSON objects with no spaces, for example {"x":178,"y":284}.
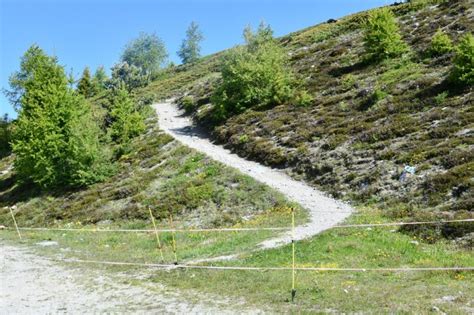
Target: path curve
{"x":324,"y":212}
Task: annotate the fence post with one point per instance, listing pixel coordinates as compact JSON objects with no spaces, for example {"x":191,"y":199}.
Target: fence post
{"x":293,"y":275}
{"x":173,"y":240}
{"x":156,"y":235}
{"x":14,"y":221}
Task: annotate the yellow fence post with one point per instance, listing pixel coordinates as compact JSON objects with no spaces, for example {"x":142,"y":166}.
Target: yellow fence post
{"x":156,"y":235}
{"x":293,"y":275}
{"x":173,"y":241}
{"x":14,"y":221}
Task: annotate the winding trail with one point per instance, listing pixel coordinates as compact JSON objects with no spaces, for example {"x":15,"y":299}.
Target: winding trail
{"x":324,"y":212}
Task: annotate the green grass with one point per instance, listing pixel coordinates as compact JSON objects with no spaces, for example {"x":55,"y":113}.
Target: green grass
{"x":373,"y":292}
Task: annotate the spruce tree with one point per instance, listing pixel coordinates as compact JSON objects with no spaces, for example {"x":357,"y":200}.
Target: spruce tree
{"x":55,"y":139}
{"x":99,"y":80}
{"x":190,"y":49}
{"x":85,"y":86}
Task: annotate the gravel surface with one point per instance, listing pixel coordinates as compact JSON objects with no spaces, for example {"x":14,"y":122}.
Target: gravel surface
{"x":31,"y":284}
{"x":324,"y":212}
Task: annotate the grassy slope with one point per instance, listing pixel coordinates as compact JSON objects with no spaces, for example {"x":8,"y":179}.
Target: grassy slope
{"x":160,"y":173}
{"x":368,"y":120}
{"x":170,"y":177}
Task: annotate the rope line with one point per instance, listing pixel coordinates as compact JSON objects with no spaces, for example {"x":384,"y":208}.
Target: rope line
{"x":173,"y":266}
{"x":236,"y":229}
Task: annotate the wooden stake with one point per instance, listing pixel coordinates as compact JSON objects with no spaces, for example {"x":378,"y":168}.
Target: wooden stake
{"x":156,"y":235}
{"x":14,"y":221}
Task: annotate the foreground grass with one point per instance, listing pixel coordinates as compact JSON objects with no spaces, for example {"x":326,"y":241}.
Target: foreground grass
{"x":373,"y":292}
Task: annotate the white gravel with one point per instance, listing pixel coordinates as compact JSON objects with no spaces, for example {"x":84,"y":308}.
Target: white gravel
{"x":324,"y":212}
{"x":31,"y":284}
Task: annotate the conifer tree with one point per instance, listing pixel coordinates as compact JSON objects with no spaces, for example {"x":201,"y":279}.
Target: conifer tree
{"x":190,"y":49}
{"x":55,"y":139}
{"x":85,"y":86}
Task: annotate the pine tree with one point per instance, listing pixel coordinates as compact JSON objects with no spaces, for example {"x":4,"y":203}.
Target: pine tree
{"x":84,"y":86}
{"x":190,"y":50}
{"x":55,"y":139}
{"x":99,"y":80}
{"x":127,"y":120}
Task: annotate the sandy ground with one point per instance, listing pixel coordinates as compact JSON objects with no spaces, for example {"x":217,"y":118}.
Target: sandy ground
{"x":31,"y":284}
{"x":324,"y":212}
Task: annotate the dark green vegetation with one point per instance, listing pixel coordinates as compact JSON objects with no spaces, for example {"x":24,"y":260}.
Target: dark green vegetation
{"x":369,"y":118}
{"x":5,"y":136}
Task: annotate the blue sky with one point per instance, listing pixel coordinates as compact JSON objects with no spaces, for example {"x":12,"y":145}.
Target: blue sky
{"x":93,"y":32}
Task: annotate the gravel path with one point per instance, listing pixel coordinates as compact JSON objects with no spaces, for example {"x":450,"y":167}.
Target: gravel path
{"x":324,"y":212}
{"x":31,"y":284}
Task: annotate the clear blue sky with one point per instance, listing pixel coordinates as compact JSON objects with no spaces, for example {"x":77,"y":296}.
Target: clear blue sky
{"x":93,"y":32}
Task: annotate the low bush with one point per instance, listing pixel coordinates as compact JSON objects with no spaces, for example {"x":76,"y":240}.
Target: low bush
{"x":440,"y":44}
{"x":463,"y":63}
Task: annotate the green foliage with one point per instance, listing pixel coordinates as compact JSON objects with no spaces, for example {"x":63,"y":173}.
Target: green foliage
{"x":127,"y":122}
{"x":463,"y":63}
{"x":255,"y":75}
{"x":55,"y":139}
{"x":5,"y":136}
{"x":188,"y":103}
{"x":254,"y":40}
{"x":85,"y":86}
{"x":190,"y":49}
{"x":440,"y":44}
{"x":147,"y":52}
{"x":382,"y":37}
{"x":130,"y":76}
{"x":99,"y":80}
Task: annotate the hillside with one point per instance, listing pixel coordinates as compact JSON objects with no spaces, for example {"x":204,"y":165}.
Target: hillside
{"x":368,"y":120}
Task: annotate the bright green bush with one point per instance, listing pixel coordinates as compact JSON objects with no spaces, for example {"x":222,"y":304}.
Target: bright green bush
{"x":382,"y":37}
{"x":440,"y":44}
{"x":463,"y":63}
{"x":55,"y":139}
{"x":257,"y":75}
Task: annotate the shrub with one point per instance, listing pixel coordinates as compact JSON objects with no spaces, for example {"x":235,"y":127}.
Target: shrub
{"x":440,"y":44}
{"x":257,"y":75}
{"x":463,"y":63}
{"x":188,"y":104}
{"x":382,"y":37}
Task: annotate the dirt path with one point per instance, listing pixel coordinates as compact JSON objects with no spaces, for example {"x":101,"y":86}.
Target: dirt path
{"x":324,"y":212}
{"x":31,"y":284}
